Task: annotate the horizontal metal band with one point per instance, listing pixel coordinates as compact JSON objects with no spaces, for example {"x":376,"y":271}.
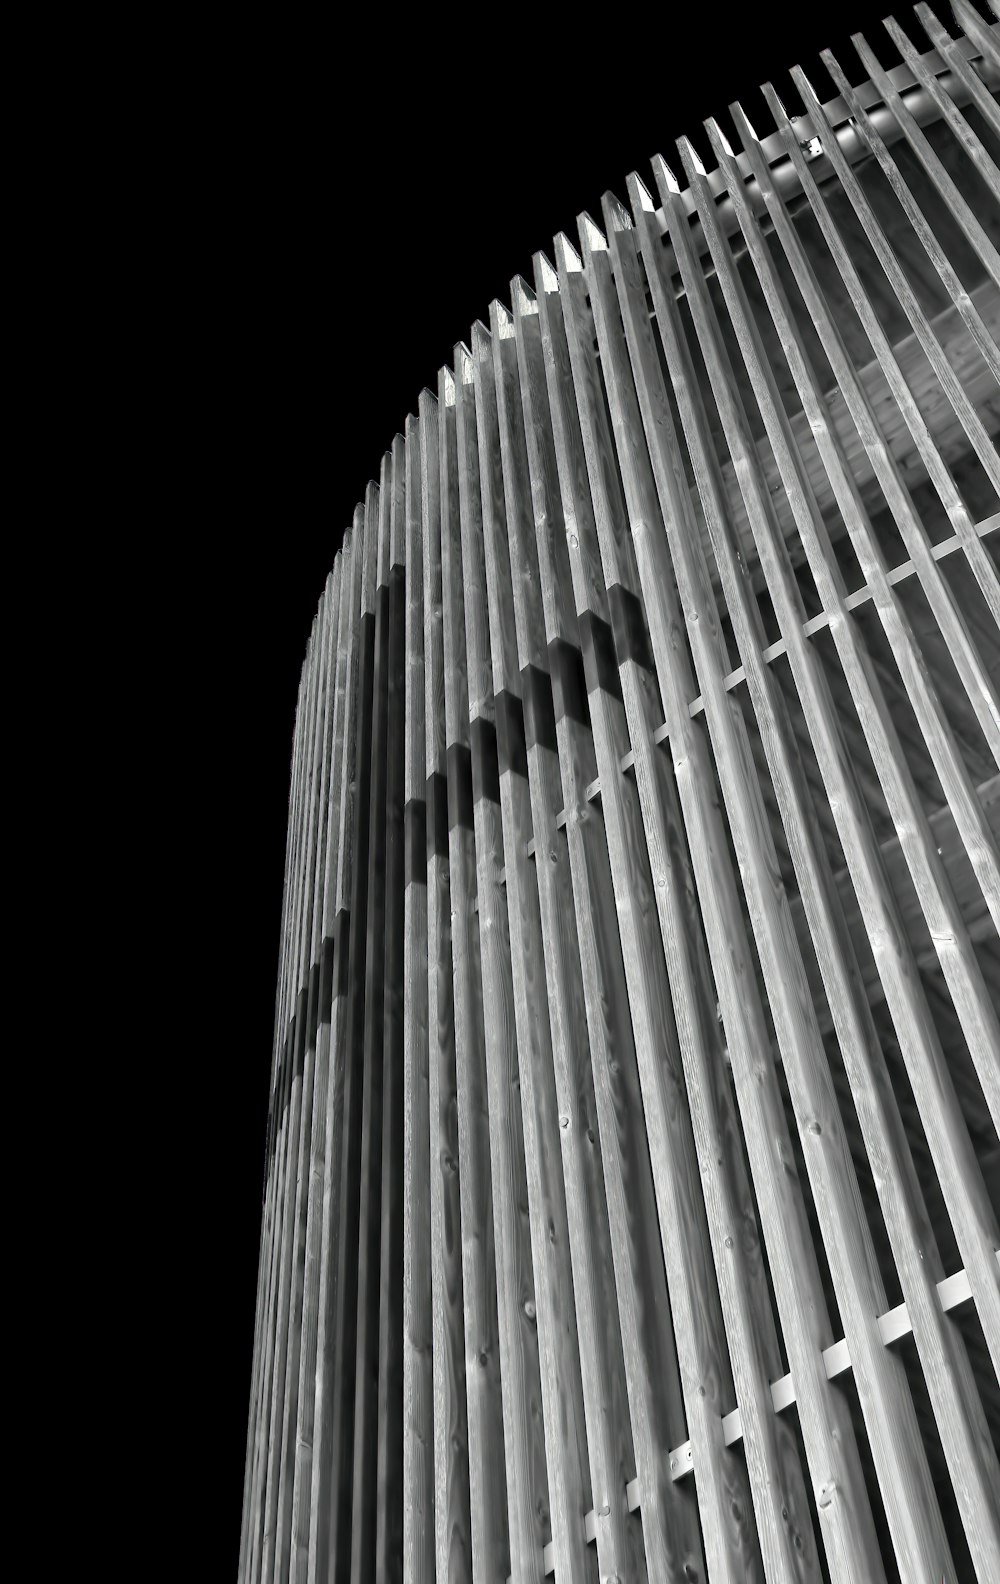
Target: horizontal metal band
{"x":415,"y":842}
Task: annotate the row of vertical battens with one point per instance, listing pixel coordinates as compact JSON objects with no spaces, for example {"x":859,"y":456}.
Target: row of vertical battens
{"x":577,"y":1067}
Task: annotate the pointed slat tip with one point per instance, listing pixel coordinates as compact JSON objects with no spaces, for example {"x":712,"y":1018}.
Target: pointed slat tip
{"x":865,"y":53}
{"x":664,"y":175}
{"x":545,"y":273}
{"x":802,"y":82}
{"x":614,"y":213}
{"x":501,"y":321}
{"x":639,"y":194}
{"x":566,"y":255}
{"x":742,"y":122}
{"x":690,"y":158}
{"x":773,"y":101}
{"x":932,"y":26}
{"x":426,"y":395}
{"x":721,"y":145}
{"x":481,"y":338}
{"x":522,"y":299}
{"x":592,"y":238}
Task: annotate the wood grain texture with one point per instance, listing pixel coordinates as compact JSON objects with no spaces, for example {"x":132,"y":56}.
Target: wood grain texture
{"x":452,"y":1522}
{"x":356,"y":1533}
{"x":417,"y":1499}
{"x":631,"y":1190}
{"x":330,"y":1056}
{"x":529,"y":1521}
{"x":554,"y":1318}
{"x":490,"y":1542}
{"x":585,"y":461}
{"x":312,"y":1132}
{"x":335,"y":1387}
{"x":283,"y":1278}
{"x":594,"y":1310}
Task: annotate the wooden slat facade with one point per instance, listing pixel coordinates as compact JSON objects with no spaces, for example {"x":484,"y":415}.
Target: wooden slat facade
{"x":633,"y":1177}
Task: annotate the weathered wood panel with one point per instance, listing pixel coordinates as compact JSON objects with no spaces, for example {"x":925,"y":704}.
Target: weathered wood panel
{"x":631,"y":1196}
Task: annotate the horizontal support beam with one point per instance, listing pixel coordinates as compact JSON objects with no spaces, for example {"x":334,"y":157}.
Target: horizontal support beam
{"x":893,"y":1325}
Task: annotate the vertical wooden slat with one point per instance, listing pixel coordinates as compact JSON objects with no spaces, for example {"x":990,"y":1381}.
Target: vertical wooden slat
{"x":312,"y":1125}
{"x":782,"y":1509}
{"x":794,"y":1018}
{"x":625,"y":1166}
{"x":585,"y":1296}
{"x":389,"y":1467}
{"x":872,"y":138}
{"x":362,"y":1466}
{"x":919,"y":1266}
{"x":966,"y":73}
{"x":947,"y":108}
{"x":288,"y":1137}
{"x":776,"y":1479}
{"x":527,"y":1481}
{"x":263,"y":1278}
{"x":417,"y":1496}
{"x":555,"y":1320}
{"x":452,"y":1522}
{"x":637,"y":1034}
{"x":329,"y":1529}
{"x":882,"y":1387}
{"x":487,"y":1465}
{"x":984,"y":447}
{"x":328,"y":1102}
{"x":584,"y":460}
{"x":954,"y":779}
{"x":289,"y":1290}
{"x":977,"y":1232}
{"x":921,"y":146}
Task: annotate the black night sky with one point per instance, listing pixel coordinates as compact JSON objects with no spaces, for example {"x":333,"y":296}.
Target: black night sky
{"x":356,"y":202}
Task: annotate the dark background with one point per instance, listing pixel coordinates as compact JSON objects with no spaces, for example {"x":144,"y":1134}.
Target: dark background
{"x":348,"y":203}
